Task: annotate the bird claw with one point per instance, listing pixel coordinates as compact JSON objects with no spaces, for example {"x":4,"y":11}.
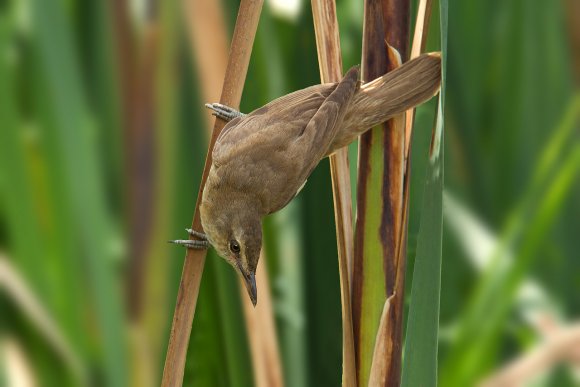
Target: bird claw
{"x":199,"y":244}
{"x":196,"y":234}
{"x":191,"y":244}
{"x":224,"y":112}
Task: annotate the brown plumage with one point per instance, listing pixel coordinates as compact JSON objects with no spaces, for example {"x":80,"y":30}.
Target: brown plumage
{"x":261,"y":160}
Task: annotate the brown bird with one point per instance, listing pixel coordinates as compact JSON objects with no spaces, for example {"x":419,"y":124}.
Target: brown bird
{"x":262,"y":160}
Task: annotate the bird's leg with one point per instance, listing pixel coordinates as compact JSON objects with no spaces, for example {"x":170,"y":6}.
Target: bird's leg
{"x":224,"y":112}
{"x":199,"y":244}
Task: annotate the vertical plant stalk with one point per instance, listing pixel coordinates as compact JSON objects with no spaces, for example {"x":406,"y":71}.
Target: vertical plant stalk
{"x":261,"y":329}
{"x":379,"y":265}
{"x":241,"y":48}
{"x":137,"y":69}
{"x":330,"y":63}
{"x":205,"y":18}
{"x":137,"y":92}
{"x":419,"y":42}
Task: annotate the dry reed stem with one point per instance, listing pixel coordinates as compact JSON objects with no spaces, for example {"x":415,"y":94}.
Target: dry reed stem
{"x":205,"y":18}
{"x":418,"y":46}
{"x":330,"y":63}
{"x":386,"y":21}
{"x":241,"y":48}
{"x":261,"y":329}
{"x":560,"y":346}
{"x":405,"y":125}
{"x":419,"y":41}
{"x":390,"y":331}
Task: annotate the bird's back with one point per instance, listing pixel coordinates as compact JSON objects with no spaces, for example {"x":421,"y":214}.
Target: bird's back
{"x":270,"y":152}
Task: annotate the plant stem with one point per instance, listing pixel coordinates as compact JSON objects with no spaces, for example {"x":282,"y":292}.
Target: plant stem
{"x":330,"y":63}
{"x":380,"y":238}
{"x":241,"y":48}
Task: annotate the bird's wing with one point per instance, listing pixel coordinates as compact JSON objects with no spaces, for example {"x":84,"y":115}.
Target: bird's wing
{"x":274,"y":149}
{"x":280,"y":120}
{"x":320,"y":131}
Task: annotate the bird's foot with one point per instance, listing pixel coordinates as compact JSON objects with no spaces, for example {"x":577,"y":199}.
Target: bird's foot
{"x":224,"y":112}
{"x":196,"y":234}
{"x":191,"y":244}
{"x":199,"y":244}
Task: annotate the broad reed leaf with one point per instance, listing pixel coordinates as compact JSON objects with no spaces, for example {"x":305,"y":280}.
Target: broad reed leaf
{"x":524,"y":233}
{"x":420,"y":358}
{"x":421,"y":345}
{"x":83,"y":185}
{"x":25,"y":230}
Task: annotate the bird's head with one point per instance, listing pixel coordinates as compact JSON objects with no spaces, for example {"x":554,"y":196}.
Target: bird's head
{"x":235,"y":230}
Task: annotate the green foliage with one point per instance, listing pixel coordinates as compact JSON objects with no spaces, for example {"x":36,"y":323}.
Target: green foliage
{"x":511,"y":154}
{"x":421,"y":345}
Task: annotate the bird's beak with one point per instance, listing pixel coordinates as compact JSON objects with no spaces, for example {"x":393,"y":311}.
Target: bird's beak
{"x":250,"y":282}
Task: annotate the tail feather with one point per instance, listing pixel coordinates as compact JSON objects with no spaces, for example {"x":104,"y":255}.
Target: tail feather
{"x":395,"y":92}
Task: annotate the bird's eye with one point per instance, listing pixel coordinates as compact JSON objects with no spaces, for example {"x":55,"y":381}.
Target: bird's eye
{"x":234,"y":247}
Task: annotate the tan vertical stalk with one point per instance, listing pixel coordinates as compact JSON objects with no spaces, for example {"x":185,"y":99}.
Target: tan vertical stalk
{"x":205,"y":18}
{"x":241,"y":48}
{"x":261,"y":329}
{"x":419,"y":42}
{"x":379,"y":266}
{"x":330,"y":63}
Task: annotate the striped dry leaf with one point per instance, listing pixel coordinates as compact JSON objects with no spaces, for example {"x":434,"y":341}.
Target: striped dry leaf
{"x":207,"y":19}
{"x":330,"y":63}
{"x":378,"y":268}
{"x":379,"y":367}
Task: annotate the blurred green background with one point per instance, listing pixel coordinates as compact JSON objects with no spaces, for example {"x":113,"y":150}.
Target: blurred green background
{"x":102,"y":144}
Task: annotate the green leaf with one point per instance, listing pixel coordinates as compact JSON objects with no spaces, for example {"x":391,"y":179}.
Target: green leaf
{"x":421,"y":347}
{"x":76,"y":136}
{"x":525,"y":233}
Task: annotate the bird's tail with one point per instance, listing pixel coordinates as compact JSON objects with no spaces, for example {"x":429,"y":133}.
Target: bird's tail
{"x":395,"y":92}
